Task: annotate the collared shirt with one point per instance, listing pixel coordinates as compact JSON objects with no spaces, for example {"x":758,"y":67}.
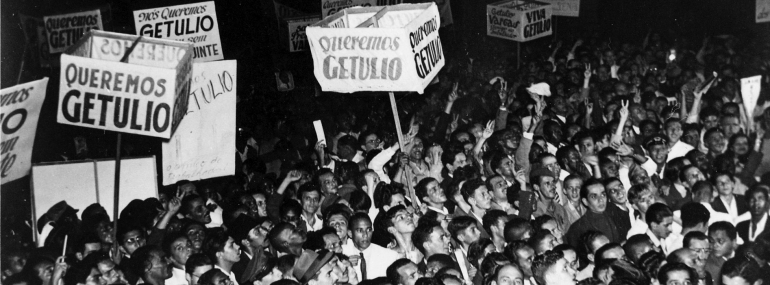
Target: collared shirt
{"x":671,"y":243}
{"x":177,"y":277}
{"x":554,"y":210}
{"x":230,"y":274}
{"x":551,"y":148}
{"x":652,"y":168}
{"x":316,"y":226}
{"x":760,"y":228}
{"x":679,"y":149}
{"x":377,"y":259}
{"x":443,"y":210}
{"x":732,"y":207}
{"x":462,"y":260}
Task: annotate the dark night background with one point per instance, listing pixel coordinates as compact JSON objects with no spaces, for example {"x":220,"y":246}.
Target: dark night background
{"x":249,"y":33}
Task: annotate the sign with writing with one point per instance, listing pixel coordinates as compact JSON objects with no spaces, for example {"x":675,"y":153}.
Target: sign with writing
{"x":329,"y":7}
{"x":750,"y":87}
{"x":19,"y":110}
{"x":203,"y":145}
{"x":763,"y":11}
{"x":519,"y":21}
{"x":568,"y":8}
{"x":294,"y":33}
{"x":34,"y":33}
{"x":400,"y":51}
{"x":65,"y":30}
{"x":146,"y":96}
{"x":195,"y":23}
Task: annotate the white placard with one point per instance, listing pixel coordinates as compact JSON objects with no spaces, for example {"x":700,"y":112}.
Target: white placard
{"x":65,"y":30}
{"x":20,"y":111}
{"x":319,"y":130}
{"x":195,"y":23}
{"x":750,"y":87}
{"x":203,"y":145}
{"x":568,"y":8}
{"x":763,"y":11}
{"x":330,"y":7}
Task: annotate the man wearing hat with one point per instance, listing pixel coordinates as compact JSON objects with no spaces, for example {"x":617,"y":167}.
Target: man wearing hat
{"x":657,"y":153}
{"x":251,"y":236}
{"x":314,"y":268}
{"x":544,"y":183}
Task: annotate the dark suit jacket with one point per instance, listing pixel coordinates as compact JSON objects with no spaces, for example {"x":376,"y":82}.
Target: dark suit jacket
{"x":484,"y":234}
{"x":713,"y":266}
{"x":240,"y":266}
{"x":743,"y":230}
{"x":740,"y":201}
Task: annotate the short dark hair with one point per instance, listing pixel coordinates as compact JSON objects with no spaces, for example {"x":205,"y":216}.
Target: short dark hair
{"x":476,"y":250}
{"x":693,"y":235}
{"x":694,"y":214}
{"x":444,"y":259}
{"x":184,"y":210}
{"x":761,"y":188}
{"x":392,"y":271}
{"x":599,"y":256}
{"x":142,"y":258}
{"x":307,"y":188}
{"x":459,"y":224}
{"x":634,"y":242}
{"x":421,"y":189}
{"x":491,"y":218}
{"x":170,"y":239}
{"x":422,"y":234}
{"x":360,"y":201}
{"x":197,"y":260}
{"x":358,"y":216}
{"x":588,"y":240}
{"x":656,"y":213}
{"x":334,"y":210}
{"x":513,"y":247}
{"x":215,"y":242}
{"x":516,"y":228}
{"x":743,"y":267}
{"x":543,"y":262}
{"x":675,"y":266}
{"x":726,"y":227}
{"x":470,"y":187}
{"x":589,"y":182}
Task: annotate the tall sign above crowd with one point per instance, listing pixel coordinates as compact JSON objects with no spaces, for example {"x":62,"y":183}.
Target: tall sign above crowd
{"x":519,"y":21}
{"x":330,"y":7}
{"x":65,"y":30}
{"x":567,"y":8}
{"x":195,"y":23}
{"x":391,"y":48}
{"x":19,"y":110}
{"x":147,"y":95}
{"x":763,"y":11}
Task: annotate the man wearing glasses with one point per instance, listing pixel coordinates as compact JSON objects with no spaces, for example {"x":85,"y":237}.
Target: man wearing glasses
{"x":698,"y":243}
{"x":370,"y":260}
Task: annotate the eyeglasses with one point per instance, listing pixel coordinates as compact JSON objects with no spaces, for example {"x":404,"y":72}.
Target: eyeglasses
{"x":701,"y":250}
{"x":134,"y":240}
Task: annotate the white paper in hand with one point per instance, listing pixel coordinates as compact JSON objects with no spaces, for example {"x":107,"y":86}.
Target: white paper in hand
{"x":319,"y":130}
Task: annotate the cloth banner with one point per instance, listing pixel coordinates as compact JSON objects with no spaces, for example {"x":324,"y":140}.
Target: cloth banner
{"x":20,"y":110}
{"x":65,"y":30}
{"x":204,"y":144}
{"x":195,"y":23}
{"x":403,"y":54}
{"x":750,"y":87}
{"x":568,"y":8}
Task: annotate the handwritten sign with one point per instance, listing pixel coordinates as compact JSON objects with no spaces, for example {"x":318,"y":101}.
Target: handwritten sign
{"x":519,"y":21}
{"x":763,"y":11}
{"x":65,"y":30}
{"x":294,"y":34}
{"x":146,"y":96}
{"x":329,"y":7}
{"x":19,"y":110}
{"x":203,"y":145}
{"x":750,"y":87}
{"x":568,"y":8}
{"x":195,"y":23}
{"x":403,"y":53}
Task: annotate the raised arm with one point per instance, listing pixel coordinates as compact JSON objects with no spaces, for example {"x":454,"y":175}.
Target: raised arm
{"x":618,"y":136}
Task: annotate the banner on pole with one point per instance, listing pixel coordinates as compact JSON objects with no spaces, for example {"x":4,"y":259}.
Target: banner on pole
{"x":146,"y":96}
{"x":763,"y":11}
{"x":750,"y":87}
{"x":195,"y":23}
{"x":65,"y":30}
{"x":567,"y":8}
{"x":204,"y":144}
{"x":519,"y":21}
{"x":20,"y":110}
{"x":293,"y":30}
{"x":403,"y":53}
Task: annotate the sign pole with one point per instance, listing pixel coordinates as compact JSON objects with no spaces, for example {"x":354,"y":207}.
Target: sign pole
{"x":21,"y":67}
{"x":518,"y":55}
{"x":115,"y":206}
{"x":400,"y":136}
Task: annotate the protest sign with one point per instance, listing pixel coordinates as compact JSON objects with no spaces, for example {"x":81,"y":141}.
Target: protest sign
{"x":330,"y":7}
{"x":195,"y":23}
{"x":65,"y":30}
{"x":569,"y":8}
{"x":519,"y":21}
{"x":19,"y":111}
{"x":145,"y":96}
{"x":294,"y":36}
{"x":750,"y":87}
{"x":403,"y":53}
{"x":37,"y":42}
{"x":203,"y":145}
{"x":763,"y":11}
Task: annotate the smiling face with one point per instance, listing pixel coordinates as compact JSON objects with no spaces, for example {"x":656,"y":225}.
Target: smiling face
{"x":617,"y":193}
{"x":715,"y":142}
{"x":659,"y":153}
{"x":328,"y":183}
{"x":572,"y":189}
{"x":506,"y":168}
{"x":646,"y":199}
{"x":197,"y":211}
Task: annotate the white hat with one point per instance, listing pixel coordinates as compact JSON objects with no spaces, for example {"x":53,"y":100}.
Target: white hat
{"x":541,"y":89}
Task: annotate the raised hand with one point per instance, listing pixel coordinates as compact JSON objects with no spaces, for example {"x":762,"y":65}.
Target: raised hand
{"x":293,"y":175}
{"x":489,"y":130}
{"x":589,"y":107}
{"x":454,"y":124}
{"x":624,"y":108}
{"x":622,"y":149}
{"x":453,"y":95}
{"x":587,"y":73}
{"x":174,"y":205}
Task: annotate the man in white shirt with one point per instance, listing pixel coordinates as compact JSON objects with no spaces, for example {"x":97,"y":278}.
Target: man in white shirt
{"x":758,"y":227}
{"x":464,"y":231}
{"x":657,"y":148}
{"x":659,"y":219}
{"x":310,"y":198}
{"x":429,"y":191}
{"x":370,"y":260}
{"x":678,"y":148}
{"x":179,"y":250}
{"x":226,"y":252}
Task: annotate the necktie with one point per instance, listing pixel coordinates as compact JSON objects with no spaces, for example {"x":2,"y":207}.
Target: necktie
{"x":363,"y":267}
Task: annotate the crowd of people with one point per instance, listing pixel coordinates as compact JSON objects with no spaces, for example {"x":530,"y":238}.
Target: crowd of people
{"x":592,"y":162}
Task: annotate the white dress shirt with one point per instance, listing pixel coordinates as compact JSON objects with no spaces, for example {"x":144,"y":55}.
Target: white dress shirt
{"x":230,"y":274}
{"x":732,"y":207}
{"x":760,"y":228}
{"x":316,"y":226}
{"x":679,"y":149}
{"x":377,"y":259}
{"x":177,"y":277}
{"x":669,"y":244}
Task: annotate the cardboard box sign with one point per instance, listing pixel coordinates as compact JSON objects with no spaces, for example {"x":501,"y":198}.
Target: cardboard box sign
{"x":568,"y":8}
{"x":65,"y":30}
{"x":195,"y":23}
{"x":402,"y":53}
{"x":519,"y":21}
{"x":293,"y":32}
{"x":146,"y":96}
